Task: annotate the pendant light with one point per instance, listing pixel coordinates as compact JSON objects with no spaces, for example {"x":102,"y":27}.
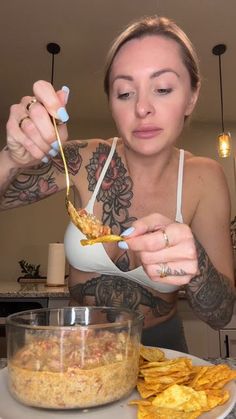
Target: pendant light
{"x":223,"y":139}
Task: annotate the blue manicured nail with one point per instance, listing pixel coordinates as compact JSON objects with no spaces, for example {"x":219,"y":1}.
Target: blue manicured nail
{"x":55,"y":145}
{"x":62,"y":114}
{"x":123,"y":245}
{"x":128,"y":231}
{"x":52,"y":152}
{"x":45,"y":159}
{"x":66,"y":90}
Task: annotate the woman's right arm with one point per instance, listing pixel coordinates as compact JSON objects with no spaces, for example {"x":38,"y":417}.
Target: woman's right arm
{"x":27,"y":172}
{"x":28,"y":185}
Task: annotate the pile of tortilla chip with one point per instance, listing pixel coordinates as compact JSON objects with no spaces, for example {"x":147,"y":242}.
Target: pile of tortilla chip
{"x":175,"y":388}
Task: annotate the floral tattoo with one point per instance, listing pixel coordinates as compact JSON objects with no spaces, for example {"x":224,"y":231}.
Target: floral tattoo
{"x":38,"y":182}
{"x":115,"y":191}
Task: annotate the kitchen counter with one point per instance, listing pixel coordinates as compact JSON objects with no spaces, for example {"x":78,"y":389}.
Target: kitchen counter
{"x":230,"y":361}
{"x":31,"y":290}
{"x":10,"y":289}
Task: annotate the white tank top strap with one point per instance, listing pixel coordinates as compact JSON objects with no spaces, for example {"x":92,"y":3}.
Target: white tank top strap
{"x":178,"y":216}
{"x":90,"y":205}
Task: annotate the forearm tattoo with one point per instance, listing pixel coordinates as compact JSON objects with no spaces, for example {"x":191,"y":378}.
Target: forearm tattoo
{"x":116,"y":291}
{"x":39,"y":182}
{"x":116,"y":189}
{"x":210,"y":294}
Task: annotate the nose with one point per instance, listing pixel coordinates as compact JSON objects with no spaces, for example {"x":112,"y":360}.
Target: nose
{"x":144,"y":106}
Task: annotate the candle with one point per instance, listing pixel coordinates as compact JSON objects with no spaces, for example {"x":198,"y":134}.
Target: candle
{"x":56,"y":265}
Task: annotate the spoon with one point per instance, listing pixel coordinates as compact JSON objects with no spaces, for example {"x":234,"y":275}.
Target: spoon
{"x":87,"y":223}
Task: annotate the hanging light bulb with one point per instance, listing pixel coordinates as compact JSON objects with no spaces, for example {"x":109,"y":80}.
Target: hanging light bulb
{"x":223,"y":139}
{"x":224,"y":144}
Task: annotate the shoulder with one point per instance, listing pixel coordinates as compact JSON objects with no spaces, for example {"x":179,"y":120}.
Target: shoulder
{"x":206,"y":178}
{"x":82,"y":152}
{"x":90,"y":142}
{"x":204,"y":168}
{"x":209,"y":183}
{"x":86,"y":147}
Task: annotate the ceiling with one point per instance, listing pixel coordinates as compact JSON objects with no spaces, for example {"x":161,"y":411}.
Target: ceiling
{"x":85,"y":28}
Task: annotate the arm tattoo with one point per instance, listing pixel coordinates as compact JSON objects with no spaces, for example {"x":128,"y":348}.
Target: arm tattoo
{"x":30,"y":186}
{"x":115,"y":291}
{"x":39,"y":182}
{"x":115,"y":191}
{"x":210,"y":293}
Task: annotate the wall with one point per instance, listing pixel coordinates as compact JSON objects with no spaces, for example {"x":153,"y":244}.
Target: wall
{"x":25,"y":232}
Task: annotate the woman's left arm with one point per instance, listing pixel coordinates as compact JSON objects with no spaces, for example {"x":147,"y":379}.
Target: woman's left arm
{"x":198,"y":257}
{"x":211,"y":293}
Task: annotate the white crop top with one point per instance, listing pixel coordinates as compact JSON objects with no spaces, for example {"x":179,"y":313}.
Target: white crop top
{"x":95,"y":258}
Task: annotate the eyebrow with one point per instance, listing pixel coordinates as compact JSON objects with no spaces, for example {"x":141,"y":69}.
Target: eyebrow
{"x":164,"y":70}
{"x":153,"y":75}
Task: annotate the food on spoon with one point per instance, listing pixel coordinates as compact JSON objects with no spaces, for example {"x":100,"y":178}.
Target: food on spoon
{"x":90,"y":226}
{"x":87,"y":223}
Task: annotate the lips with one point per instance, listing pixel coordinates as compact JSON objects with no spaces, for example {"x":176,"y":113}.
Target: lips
{"x":147,"y":132}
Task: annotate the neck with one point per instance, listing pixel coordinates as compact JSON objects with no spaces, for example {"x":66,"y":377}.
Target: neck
{"x":152,"y":167}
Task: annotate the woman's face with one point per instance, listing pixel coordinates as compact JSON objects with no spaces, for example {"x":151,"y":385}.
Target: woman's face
{"x":150,"y":93}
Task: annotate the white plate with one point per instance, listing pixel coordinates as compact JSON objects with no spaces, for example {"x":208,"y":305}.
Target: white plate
{"x":11,"y":409}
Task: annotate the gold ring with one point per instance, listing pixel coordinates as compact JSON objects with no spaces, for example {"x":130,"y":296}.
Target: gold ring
{"x":167,"y":243}
{"x":28,"y":106}
{"x":22,"y":119}
{"x":164,"y":270}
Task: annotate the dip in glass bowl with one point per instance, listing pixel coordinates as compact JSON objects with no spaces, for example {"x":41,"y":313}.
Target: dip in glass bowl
{"x":73,"y":357}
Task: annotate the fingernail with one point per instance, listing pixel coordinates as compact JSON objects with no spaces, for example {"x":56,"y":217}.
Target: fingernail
{"x":67,"y":92}
{"x":62,"y":114}
{"x":55,"y":145}
{"x":128,"y":231}
{"x":123,"y":245}
{"x":52,"y":152}
{"x":45,"y":159}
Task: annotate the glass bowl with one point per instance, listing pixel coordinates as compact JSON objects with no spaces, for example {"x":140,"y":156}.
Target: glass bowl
{"x":73,"y":357}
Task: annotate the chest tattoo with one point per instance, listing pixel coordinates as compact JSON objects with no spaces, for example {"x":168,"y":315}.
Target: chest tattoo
{"x":116,"y":189}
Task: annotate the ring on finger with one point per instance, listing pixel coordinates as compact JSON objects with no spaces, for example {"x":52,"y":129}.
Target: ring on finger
{"x":22,"y":119}
{"x":166,"y":238}
{"x":30,"y":103}
{"x":164,"y":270}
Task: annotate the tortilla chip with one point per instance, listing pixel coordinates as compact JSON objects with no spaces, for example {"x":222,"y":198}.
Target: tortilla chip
{"x":109,"y":238}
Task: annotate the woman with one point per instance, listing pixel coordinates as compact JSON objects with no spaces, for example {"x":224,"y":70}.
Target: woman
{"x":165,"y":201}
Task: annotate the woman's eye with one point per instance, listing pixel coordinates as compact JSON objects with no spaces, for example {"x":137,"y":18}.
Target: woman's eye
{"x":124,"y":96}
{"x":163,"y":91}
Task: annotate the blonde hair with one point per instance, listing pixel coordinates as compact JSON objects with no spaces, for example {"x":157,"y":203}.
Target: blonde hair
{"x":160,"y":26}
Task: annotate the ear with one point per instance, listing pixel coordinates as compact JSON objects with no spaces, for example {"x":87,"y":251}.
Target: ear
{"x":192,"y":101}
